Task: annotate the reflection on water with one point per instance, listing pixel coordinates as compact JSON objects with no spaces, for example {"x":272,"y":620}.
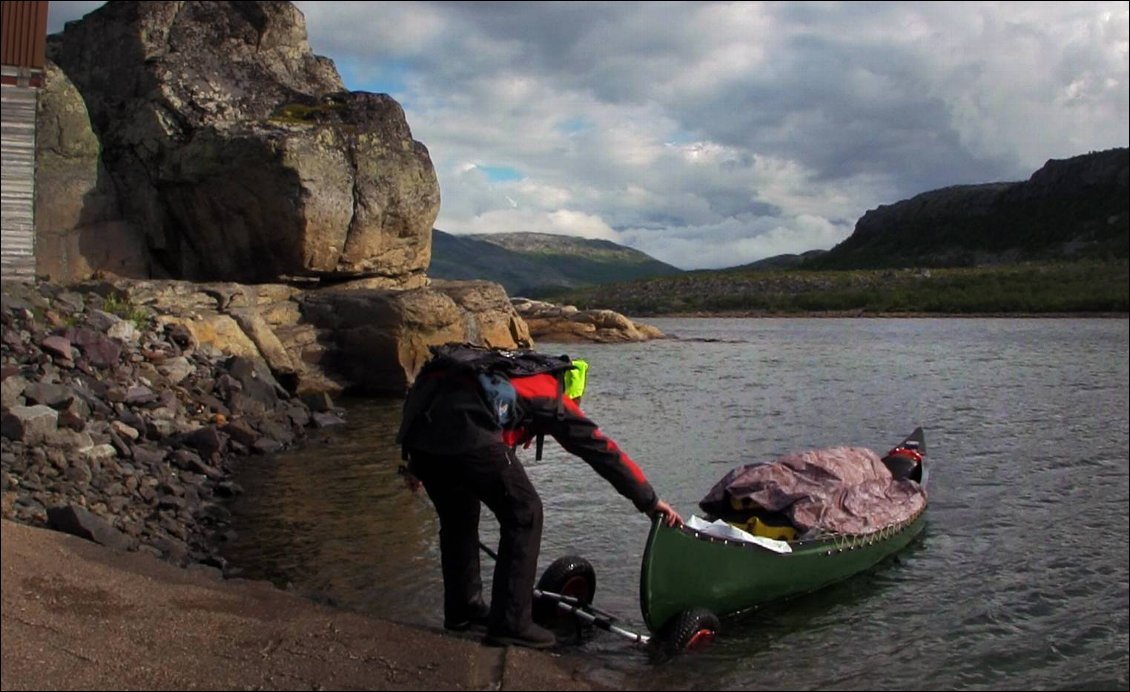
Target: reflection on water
{"x":334,"y":521}
{"x":1020,"y":578}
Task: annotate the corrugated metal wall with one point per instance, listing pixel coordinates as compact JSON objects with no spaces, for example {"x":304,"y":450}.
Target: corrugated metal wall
{"x":23,"y":40}
{"x":24,"y":37}
{"x":17,"y":183}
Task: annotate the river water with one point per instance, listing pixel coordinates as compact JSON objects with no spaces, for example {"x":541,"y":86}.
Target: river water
{"x":1019,"y":581}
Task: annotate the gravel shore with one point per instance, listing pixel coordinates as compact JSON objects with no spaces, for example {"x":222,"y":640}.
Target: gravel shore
{"x":77,"y":615}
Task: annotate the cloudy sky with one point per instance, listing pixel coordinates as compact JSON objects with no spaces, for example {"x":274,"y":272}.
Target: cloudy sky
{"x":712,"y":134}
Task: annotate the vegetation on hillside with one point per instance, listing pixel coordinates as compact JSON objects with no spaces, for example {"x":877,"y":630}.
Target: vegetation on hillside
{"x":1041,"y":288}
{"x":532,"y":264}
{"x":1055,"y":243}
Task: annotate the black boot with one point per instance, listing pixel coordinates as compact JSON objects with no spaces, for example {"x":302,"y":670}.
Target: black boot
{"x":473,"y":617}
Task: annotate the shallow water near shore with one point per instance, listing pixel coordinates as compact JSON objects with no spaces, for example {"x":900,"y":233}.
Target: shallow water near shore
{"x":1020,"y":580}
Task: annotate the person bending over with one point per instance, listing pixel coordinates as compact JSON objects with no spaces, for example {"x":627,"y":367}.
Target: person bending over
{"x":460,"y":430}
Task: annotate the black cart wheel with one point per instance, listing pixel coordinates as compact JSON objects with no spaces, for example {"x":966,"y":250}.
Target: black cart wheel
{"x":571,"y":576}
{"x":690,"y":630}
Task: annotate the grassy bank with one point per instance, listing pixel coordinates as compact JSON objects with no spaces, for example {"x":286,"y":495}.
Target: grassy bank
{"x":1044,"y":288}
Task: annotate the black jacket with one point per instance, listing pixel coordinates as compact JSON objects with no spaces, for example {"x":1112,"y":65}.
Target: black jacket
{"x":448,"y":415}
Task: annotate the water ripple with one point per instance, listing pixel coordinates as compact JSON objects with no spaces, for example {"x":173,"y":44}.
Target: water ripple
{"x":1019,"y":581}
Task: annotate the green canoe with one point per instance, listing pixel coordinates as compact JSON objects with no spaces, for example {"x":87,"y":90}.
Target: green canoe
{"x":687,"y":572}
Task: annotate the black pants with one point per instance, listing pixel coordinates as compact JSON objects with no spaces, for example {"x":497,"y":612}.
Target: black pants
{"x":456,"y":485}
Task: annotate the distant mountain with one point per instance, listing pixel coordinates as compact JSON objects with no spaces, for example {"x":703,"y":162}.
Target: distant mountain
{"x":537,"y":264}
{"x":1058,"y":242}
{"x":1076,"y":208}
{"x":779,"y":261}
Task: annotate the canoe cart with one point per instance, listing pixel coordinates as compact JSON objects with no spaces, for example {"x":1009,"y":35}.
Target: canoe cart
{"x":751,"y":555}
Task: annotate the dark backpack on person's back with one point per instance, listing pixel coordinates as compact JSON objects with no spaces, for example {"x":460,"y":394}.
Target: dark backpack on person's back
{"x":491,"y":370}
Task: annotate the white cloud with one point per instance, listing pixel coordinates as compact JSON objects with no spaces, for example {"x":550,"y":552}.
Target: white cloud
{"x":714,"y":134}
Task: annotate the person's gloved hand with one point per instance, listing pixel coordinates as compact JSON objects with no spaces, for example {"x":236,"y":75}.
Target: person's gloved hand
{"x":670,"y":516}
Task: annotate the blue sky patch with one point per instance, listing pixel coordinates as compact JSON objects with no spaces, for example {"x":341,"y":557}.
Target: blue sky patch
{"x":501,"y":174}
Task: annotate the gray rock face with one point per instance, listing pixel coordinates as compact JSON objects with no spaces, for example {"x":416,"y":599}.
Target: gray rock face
{"x":358,"y":335}
{"x":130,"y":446}
{"x":380,"y":339}
{"x":239,"y":152}
{"x":1068,"y":208}
{"x":567,"y":324}
{"x":79,"y":225}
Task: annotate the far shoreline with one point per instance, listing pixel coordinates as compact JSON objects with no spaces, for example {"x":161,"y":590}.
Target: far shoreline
{"x":832,"y":314}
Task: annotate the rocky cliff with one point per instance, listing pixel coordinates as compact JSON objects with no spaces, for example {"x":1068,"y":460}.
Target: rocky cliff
{"x":1071,"y":208}
{"x":229,"y":239}
{"x":228,"y":151}
{"x":202,"y":159}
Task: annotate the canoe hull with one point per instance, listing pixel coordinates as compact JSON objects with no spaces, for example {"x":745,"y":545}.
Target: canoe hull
{"x":685,"y":569}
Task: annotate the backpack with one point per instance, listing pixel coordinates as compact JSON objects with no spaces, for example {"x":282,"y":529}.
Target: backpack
{"x":492,"y":369}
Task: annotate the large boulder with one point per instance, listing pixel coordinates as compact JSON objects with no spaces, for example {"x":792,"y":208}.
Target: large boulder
{"x":79,"y":226}
{"x":239,"y":151}
{"x":566,"y":324}
{"x":380,"y":338}
{"x":359,"y":336}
